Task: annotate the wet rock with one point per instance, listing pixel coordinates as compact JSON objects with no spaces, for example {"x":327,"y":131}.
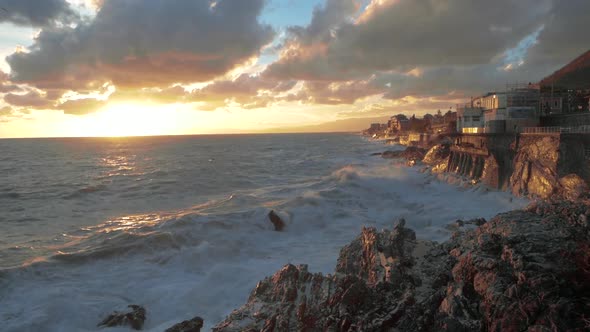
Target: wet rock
{"x":391,"y":154}
{"x":193,"y":325}
{"x":522,"y":270}
{"x":438,"y":157}
{"x":411,"y":153}
{"x":377,"y":154}
{"x":278,"y":223}
{"x":135,"y":318}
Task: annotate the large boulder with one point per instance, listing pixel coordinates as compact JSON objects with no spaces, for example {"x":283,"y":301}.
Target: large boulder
{"x":276,"y":221}
{"x":438,"y":157}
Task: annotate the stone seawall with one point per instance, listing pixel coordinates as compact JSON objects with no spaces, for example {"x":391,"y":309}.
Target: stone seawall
{"x":536,"y":165}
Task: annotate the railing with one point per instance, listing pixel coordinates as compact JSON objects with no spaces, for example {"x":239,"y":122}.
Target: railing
{"x":549,"y":130}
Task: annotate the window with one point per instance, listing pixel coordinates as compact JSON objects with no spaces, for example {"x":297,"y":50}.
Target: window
{"x":476,"y":119}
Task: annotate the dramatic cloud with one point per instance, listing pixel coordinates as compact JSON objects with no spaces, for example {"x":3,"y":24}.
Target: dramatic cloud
{"x":36,"y":12}
{"x":403,"y":34}
{"x":564,"y":36}
{"x":421,"y":48}
{"x":143,"y":43}
{"x":335,"y":93}
{"x":246,"y":90}
{"x":5,"y":85}
{"x":31,"y":99}
{"x":404,"y":55}
{"x":81,"y":106}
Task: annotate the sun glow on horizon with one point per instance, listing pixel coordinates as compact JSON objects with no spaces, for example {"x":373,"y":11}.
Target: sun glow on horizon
{"x":126,"y":119}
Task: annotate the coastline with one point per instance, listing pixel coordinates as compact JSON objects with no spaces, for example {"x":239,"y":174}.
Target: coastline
{"x":492,"y":275}
{"x":317,"y":227}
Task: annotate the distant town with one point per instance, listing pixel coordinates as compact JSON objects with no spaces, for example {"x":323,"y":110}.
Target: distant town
{"x":559,"y":103}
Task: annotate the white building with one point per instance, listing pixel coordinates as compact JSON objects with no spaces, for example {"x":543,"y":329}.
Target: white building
{"x":500,"y":112}
{"x":470,"y":120}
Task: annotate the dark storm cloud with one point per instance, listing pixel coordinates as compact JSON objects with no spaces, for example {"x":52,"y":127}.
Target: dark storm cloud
{"x":139,"y":43}
{"x":564,"y":36}
{"x":408,"y":33}
{"x":36,"y":12}
{"x":422,"y":48}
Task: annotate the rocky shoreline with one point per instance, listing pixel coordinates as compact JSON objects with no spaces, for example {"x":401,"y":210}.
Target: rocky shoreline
{"x":524,"y":270}
{"x":521,"y":271}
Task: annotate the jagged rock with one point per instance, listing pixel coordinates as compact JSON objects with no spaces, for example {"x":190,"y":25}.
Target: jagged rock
{"x":521,"y":271}
{"x":193,"y":325}
{"x":135,"y":318}
{"x":278,"y":223}
{"x":438,"y":157}
{"x":535,"y":168}
{"x":358,"y":298}
{"x":378,"y":256}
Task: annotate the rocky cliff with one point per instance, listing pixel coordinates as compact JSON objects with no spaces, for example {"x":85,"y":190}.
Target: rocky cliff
{"x":522,"y":271}
{"x":538,"y":166}
{"x":540,"y":170}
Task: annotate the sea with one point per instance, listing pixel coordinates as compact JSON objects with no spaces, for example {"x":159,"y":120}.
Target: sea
{"x":178,"y":224}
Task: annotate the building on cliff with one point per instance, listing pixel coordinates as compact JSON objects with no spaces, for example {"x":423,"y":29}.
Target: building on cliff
{"x":443,"y":124}
{"x":501,"y":112}
{"x":398,"y":123}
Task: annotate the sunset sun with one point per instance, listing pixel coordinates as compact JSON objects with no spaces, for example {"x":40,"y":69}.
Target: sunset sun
{"x":127,"y":119}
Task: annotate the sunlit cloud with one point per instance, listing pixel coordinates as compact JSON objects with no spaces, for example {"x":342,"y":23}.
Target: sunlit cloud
{"x":347,"y":59}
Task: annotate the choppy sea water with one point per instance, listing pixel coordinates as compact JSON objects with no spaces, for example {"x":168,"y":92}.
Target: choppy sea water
{"x":179,"y":224}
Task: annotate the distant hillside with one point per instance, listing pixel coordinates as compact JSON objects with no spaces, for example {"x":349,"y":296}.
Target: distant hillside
{"x":345,"y":125}
{"x":574,"y":75}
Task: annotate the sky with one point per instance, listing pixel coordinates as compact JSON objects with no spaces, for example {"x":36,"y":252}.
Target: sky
{"x":167,"y":67}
